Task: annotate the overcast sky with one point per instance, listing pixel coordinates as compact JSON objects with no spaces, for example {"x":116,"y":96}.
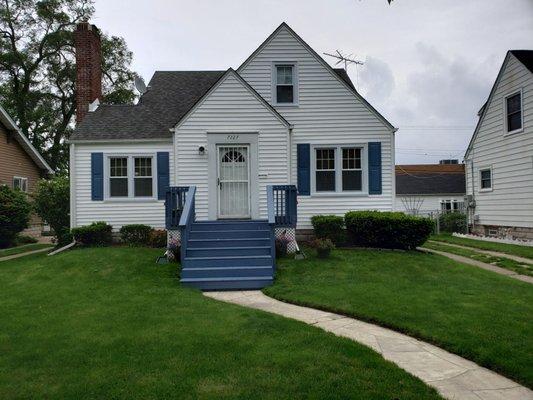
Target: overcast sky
{"x":428,"y":65}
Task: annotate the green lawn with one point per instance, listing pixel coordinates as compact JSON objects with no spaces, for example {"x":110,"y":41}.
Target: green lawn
{"x":502,"y":262}
{"x":23,"y":249}
{"x":110,"y":323}
{"x":477,"y":314}
{"x":514,"y":249}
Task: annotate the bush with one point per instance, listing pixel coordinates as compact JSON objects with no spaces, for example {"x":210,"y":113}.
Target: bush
{"x":14,"y":214}
{"x":158,"y":238}
{"x":282,"y":245}
{"x":52,"y":203}
{"x":136,"y":234}
{"x":96,"y":234}
{"x":329,"y":227}
{"x":453,"y":222}
{"x":323,"y":247}
{"x":24,"y":239}
{"x":390,"y":230}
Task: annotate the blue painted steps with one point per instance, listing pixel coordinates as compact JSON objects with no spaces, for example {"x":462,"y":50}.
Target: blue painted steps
{"x":229,"y":255}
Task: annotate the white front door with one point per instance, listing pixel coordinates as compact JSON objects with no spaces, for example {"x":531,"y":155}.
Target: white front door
{"x":233,"y":181}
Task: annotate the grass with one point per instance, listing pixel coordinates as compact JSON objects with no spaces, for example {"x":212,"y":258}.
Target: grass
{"x":23,"y":249}
{"x":513,"y":249}
{"x":110,"y":323}
{"x":502,"y":262}
{"x":480,"y":315}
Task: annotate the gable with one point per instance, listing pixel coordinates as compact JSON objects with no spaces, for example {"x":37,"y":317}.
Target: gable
{"x":285,"y":45}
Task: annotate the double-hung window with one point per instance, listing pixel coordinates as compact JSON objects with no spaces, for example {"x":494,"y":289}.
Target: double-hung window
{"x":130,"y":177}
{"x":450,"y":205}
{"x":285,"y":85}
{"x":20,"y":183}
{"x":513,"y":111}
{"x":338,"y":169}
{"x":485,"y":176}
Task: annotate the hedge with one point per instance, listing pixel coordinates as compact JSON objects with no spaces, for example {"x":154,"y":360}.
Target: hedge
{"x":136,"y":234}
{"x":329,"y":227}
{"x":95,"y":234}
{"x":453,"y":222}
{"x":14,"y":214}
{"x":390,"y":230}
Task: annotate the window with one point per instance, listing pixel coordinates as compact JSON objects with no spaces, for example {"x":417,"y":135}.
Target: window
{"x":131,"y":176}
{"x":352,"y":173}
{"x":513,"y":109}
{"x":20,"y":183}
{"x":485,"y":179}
{"x":451,"y":205}
{"x":338,"y":169}
{"x":118,"y":177}
{"x":285,"y":84}
{"x":143,"y":177}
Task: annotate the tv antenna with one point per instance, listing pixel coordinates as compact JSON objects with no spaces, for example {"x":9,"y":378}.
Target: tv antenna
{"x":347,"y":60}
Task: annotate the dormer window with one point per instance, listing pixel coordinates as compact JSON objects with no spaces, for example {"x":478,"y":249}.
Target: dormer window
{"x":285,"y":85}
{"x":513,"y":111}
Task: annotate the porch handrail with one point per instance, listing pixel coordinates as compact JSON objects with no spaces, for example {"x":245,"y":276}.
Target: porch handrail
{"x":187,"y":215}
{"x":174,"y":205}
{"x":282,"y":205}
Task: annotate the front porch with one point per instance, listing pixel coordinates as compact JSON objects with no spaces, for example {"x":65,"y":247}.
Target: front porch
{"x":227,"y":254}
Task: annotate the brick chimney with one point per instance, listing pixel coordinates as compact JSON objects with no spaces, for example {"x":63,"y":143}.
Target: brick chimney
{"x":88,"y":67}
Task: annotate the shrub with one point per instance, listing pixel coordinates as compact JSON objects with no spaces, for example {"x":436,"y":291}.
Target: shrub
{"x":96,"y":234}
{"x":453,"y":222}
{"x":329,"y":227}
{"x":392,"y":230}
{"x":282,"y":244}
{"x":323,"y":247}
{"x":135,"y":234}
{"x":52,"y":203}
{"x":14,"y":214}
{"x":24,"y":239}
{"x":174,"y":250}
{"x":158,"y":238}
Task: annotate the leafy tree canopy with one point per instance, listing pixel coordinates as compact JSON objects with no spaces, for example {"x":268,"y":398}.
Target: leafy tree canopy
{"x":37,"y":70}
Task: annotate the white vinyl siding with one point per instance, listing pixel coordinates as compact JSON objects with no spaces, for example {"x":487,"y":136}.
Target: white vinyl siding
{"x":231,"y":108}
{"x":426,"y":204}
{"x":328,"y":114}
{"x":117,"y":211}
{"x":510,"y":202}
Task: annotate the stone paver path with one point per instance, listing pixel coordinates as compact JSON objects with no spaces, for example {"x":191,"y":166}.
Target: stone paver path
{"x":454,"y":377}
{"x":487,"y":252}
{"x":11,"y":257}
{"x":480,"y":264}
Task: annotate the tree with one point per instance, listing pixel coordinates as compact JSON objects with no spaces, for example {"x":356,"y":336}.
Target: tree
{"x":38,"y":71}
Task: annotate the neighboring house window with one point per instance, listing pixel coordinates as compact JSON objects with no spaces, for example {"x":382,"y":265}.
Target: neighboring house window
{"x":352,"y":172}
{"x":338,"y":169}
{"x":20,"y":183}
{"x":325,"y":170}
{"x":513,"y":110}
{"x":118,"y":177}
{"x":143,"y":177}
{"x":285,"y":85}
{"x":485,"y":179}
{"x":451,"y":205}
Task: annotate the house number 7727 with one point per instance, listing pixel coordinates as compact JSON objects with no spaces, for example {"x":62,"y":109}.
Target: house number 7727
{"x":233,"y":137}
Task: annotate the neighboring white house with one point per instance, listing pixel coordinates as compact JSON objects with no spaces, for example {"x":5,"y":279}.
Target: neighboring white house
{"x":499,"y":158}
{"x":425,"y":189}
{"x":283,"y":117}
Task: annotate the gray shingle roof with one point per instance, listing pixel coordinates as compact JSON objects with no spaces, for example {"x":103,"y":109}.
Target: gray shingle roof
{"x":525,"y":57}
{"x":170,"y":96}
{"x":430,"y":179}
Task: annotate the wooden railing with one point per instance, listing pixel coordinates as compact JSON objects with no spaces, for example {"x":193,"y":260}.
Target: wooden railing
{"x":174,"y":204}
{"x":282,"y":205}
{"x":187,"y":218}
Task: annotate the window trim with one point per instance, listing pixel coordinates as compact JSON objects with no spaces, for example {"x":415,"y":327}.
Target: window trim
{"x":295,"y":84}
{"x":22,"y":179}
{"x":506,"y":115}
{"x":338,"y":170}
{"x":131,"y":177}
{"x":489,"y":189}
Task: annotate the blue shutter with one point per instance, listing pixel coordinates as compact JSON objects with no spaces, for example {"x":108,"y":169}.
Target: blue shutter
{"x":304,"y":169}
{"x":97,"y":176}
{"x":163,"y":178}
{"x":374,"y":168}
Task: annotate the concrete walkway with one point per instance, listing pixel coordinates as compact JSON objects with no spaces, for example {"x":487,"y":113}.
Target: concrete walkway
{"x":480,"y":264}
{"x":11,"y":257}
{"x":454,"y":377}
{"x":521,"y":260}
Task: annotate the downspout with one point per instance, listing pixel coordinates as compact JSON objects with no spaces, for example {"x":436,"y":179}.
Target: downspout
{"x":289,"y":161}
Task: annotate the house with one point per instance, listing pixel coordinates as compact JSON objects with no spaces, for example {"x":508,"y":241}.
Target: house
{"x":427,"y":189}
{"x":267,"y":145}
{"x":21,"y":165}
{"x":499,"y":158}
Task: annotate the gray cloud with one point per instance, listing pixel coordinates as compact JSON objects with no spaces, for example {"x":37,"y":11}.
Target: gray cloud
{"x":377,"y":80}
